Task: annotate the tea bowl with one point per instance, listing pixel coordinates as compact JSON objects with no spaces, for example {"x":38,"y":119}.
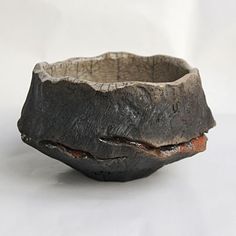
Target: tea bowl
{"x":117,"y":116}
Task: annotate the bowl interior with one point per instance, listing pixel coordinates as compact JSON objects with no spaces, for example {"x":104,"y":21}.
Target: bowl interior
{"x":121,"y":67}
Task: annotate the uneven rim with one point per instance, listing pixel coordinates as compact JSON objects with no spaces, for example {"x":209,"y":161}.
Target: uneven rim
{"x":45,"y":76}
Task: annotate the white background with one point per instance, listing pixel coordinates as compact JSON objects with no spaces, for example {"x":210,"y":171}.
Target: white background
{"x":196,"y":196}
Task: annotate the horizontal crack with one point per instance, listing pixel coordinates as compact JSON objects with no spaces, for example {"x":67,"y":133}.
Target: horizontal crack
{"x":74,"y":152}
{"x":139,"y":144}
{"x":123,"y":140}
{"x":195,"y":145}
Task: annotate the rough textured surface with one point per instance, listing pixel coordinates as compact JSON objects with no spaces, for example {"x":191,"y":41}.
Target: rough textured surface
{"x":117,"y":116}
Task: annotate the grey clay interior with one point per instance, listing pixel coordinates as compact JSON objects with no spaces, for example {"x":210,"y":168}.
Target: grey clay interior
{"x":120,"y":68}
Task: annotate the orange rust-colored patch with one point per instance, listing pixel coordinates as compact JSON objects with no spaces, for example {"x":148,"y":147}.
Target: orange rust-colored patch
{"x":71,"y":152}
{"x":76,"y":153}
{"x":191,"y":147}
{"x":199,"y":144}
{"x":195,"y":145}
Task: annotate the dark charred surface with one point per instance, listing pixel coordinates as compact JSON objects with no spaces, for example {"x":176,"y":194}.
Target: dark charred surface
{"x":117,"y":135}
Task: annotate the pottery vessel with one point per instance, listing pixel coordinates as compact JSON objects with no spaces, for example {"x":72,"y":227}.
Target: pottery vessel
{"x":118,"y":116}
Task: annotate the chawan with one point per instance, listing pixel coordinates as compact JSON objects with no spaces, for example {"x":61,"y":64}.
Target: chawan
{"x":118,"y":116}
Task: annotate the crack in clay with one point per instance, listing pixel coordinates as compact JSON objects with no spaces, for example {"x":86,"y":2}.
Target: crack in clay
{"x":149,"y":147}
{"x":74,"y":153}
{"x":122,"y":140}
{"x":166,"y":152}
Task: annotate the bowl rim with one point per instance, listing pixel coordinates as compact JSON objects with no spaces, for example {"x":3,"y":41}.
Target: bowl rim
{"x":40,"y":69}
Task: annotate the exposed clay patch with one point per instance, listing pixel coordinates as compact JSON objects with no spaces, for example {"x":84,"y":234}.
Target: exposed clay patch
{"x":195,"y":145}
{"x":65,"y":149}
